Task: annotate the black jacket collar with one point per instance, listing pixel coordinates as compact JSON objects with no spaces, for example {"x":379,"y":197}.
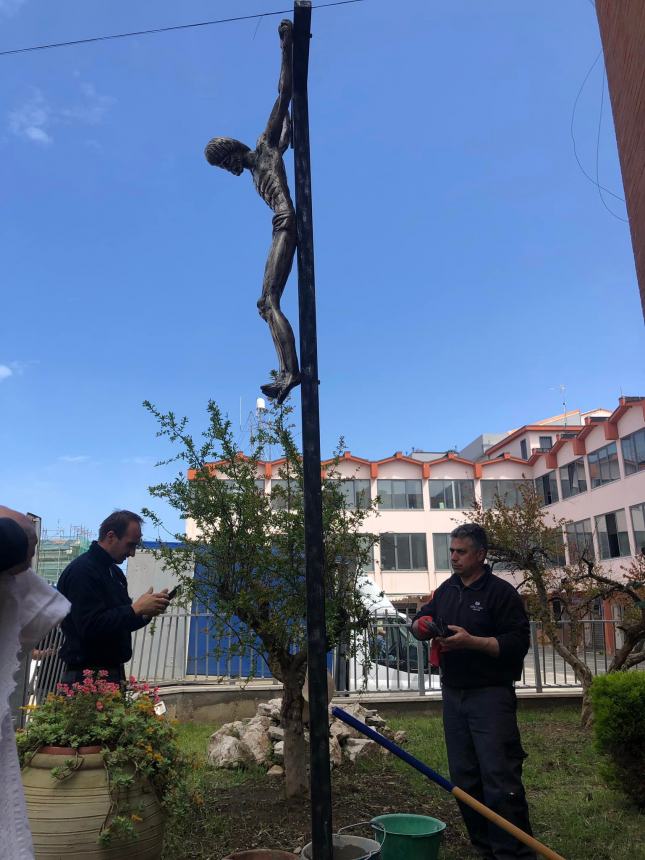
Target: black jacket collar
{"x":100,"y":556}
{"x":456,"y":581}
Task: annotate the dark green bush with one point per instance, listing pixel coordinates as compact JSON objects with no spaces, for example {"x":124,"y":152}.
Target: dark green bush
{"x":618,"y":702}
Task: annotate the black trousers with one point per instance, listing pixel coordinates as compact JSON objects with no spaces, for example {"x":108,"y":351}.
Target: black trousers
{"x":116,"y":674}
{"x":485,"y":757}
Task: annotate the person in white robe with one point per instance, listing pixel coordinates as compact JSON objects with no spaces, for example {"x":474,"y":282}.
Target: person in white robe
{"x":29,"y":608}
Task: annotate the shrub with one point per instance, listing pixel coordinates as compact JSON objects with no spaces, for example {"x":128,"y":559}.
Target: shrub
{"x":618,"y":701}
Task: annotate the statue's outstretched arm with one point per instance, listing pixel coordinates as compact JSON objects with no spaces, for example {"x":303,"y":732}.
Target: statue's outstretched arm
{"x":274,"y":129}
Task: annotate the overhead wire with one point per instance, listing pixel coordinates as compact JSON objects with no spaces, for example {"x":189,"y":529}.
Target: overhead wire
{"x":155,"y":30}
{"x":573,"y":137}
{"x":599,"y":186}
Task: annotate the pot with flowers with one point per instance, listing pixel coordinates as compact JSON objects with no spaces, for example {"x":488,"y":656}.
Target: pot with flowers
{"x":98,"y":762}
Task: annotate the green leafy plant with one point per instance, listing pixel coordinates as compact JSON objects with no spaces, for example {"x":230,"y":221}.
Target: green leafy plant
{"x":135,"y":741}
{"x":250,"y":554}
{"x":618,"y":702}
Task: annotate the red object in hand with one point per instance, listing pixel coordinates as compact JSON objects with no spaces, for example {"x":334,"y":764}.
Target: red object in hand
{"x":424,"y":625}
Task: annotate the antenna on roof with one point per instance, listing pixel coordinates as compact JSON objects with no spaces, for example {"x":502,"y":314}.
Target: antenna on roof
{"x":562,"y":389}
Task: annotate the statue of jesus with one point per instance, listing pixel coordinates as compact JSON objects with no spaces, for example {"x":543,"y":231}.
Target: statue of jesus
{"x":270,"y":179}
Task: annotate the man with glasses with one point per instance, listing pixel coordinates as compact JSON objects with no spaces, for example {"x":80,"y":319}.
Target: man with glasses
{"x":98,"y":630}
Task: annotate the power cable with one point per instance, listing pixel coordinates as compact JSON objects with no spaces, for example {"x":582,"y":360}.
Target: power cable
{"x":573,"y":137}
{"x":168,"y":29}
{"x":602,"y":103}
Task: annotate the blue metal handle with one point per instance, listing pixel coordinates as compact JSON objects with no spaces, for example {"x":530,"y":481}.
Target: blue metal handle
{"x":392,"y":747}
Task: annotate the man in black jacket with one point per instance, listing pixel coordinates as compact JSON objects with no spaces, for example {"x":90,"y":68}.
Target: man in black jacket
{"x":99,"y":627}
{"x":483,"y":632}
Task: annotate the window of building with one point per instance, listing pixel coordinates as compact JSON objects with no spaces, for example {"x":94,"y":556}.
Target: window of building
{"x":403,"y":551}
{"x":603,"y":465}
{"x":283,"y":493}
{"x":441,"y":549}
{"x":508,"y":491}
{"x":634,"y":451}
{"x":638,"y":524}
{"x":573,"y":479}
{"x":400,"y":495}
{"x":356,"y":492}
{"x":452,"y":494}
{"x":524,"y":449}
{"x":546,"y":442}
{"x":612,"y":534}
{"x":547,"y":488}
{"x":579,"y":541}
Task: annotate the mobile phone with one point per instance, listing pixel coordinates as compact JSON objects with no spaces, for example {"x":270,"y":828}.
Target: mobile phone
{"x":174,"y":592}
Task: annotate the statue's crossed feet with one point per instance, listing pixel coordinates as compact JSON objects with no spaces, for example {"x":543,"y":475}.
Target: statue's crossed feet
{"x":280,"y":387}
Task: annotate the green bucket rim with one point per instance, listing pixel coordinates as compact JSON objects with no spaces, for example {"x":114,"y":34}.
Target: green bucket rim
{"x":384,"y":820}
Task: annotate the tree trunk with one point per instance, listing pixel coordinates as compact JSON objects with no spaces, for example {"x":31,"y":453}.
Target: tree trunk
{"x":586,"y":713}
{"x":295,"y":751}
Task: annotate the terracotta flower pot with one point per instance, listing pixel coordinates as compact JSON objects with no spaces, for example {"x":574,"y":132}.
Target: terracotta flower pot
{"x":66,"y":815}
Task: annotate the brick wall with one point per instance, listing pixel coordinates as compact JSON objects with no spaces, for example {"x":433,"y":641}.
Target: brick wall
{"x":622,"y":30}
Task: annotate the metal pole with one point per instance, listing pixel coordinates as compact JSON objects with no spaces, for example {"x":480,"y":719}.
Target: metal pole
{"x":320,"y":777}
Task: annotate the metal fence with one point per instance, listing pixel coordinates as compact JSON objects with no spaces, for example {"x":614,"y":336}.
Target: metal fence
{"x":182,"y":648}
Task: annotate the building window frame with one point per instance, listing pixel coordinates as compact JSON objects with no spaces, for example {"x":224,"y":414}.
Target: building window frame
{"x":352,"y":493}
{"x":613,"y":541}
{"x":546,"y":487}
{"x":400,"y":494}
{"x":573,"y":478}
{"x":513,"y":491}
{"x":633,"y":450}
{"x":579,"y":538}
{"x":441,"y":550}
{"x":410,"y":546}
{"x":603,"y":465}
{"x":455,"y":494}
{"x":639,"y":533}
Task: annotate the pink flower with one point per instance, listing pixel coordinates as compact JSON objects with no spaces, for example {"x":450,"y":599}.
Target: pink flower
{"x":99,"y":705}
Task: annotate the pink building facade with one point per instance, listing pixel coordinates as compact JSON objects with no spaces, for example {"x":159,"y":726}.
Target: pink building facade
{"x":589,"y":469}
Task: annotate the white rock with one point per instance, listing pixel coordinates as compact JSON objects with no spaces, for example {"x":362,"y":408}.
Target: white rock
{"x":376,"y":721}
{"x":355,"y":749}
{"x":400,"y":737}
{"x":276,"y":733}
{"x":342,"y":731}
{"x":228,"y":752}
{"x":275,"y":705}
{"x":257,"y":740}
{"x":276,"y":770}
{"x":335,"y":752}
{"x":261,"y":721}
{"x":231,"y":729}
{"x":278,"y":750}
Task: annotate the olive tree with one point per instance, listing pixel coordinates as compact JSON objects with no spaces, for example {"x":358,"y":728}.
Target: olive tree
{"x":250,"y":551}
{"x":526,"y":539}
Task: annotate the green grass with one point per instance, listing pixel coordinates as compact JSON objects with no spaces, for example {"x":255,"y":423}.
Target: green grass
{"x":572,"y":810}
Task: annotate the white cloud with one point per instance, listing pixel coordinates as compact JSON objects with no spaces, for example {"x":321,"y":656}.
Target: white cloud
{"x":10,"y":7}
{"x":74,"y":458}
{"x":31,"y":119}
{"x":34,"y":119}
{"x":5,"y":372}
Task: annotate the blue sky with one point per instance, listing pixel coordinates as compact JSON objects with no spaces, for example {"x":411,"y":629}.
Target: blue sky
{"x":465,"y":267}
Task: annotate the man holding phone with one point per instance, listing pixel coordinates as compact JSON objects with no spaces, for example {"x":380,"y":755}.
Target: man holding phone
{"x":479,"y":622}
{"x":98,"y":630}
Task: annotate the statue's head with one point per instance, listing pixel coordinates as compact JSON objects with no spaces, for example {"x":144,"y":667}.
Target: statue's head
{"x":228,"y":153}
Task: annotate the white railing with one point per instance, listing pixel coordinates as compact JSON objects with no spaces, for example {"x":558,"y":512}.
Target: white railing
{"x":182,"y":648}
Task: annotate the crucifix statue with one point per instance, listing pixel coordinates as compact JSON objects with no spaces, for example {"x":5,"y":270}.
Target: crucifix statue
{"x":270,"y":179}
